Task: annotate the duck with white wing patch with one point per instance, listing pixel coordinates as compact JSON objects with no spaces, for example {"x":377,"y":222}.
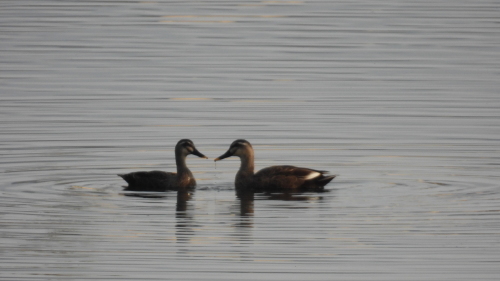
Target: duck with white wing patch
{"x":274,"y":178}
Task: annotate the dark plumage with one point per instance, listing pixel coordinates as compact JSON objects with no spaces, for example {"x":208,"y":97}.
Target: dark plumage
{"x":162,"y":181}
{"x":274,"y":177}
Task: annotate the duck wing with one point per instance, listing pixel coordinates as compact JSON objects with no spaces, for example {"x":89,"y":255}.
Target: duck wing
{"x":148,"y":181}
{"x":286,"y":170}
{"x":291,"y":177}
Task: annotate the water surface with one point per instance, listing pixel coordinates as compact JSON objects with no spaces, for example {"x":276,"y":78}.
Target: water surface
{"x":398,"y":99}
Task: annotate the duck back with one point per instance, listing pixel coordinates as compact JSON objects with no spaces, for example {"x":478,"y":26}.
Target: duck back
{"x":290,"y":178}
{"x":149,"y":181}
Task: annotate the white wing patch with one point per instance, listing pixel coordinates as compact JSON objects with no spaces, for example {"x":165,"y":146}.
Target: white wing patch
{"x":312,"y":175}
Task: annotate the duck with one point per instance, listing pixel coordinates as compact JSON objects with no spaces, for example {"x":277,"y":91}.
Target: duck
{"x":163,"y":181}
{"x":274,"y":178}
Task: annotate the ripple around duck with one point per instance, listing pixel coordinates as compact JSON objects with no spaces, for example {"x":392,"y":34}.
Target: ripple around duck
{"x":91,"y":222}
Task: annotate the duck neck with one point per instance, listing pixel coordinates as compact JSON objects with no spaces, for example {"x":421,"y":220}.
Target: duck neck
{"x":180,"y":161}
{"x":247,"y":164}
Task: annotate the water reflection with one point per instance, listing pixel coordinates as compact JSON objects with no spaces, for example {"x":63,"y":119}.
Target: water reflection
{"x":293,"y":196}
{"x":247,"y":197}
{"x":182,"y":197}
{"x":147,"y":195}
{"x":184,"y":227}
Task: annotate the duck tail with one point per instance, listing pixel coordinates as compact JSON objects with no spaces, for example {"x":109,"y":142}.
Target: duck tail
{"x":325,"y":180}
{"x":127,"y":177}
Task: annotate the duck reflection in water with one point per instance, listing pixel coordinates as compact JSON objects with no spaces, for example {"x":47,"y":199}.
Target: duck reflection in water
{"x":183,"y":196}
{"x":184,"y":227}
{"x":246,"y":198}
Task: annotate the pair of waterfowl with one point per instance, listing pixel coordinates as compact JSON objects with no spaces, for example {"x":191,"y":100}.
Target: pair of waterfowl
{"x":268,"y":179}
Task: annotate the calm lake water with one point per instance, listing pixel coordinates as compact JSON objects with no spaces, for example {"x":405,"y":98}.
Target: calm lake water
{"x":400,"y":99}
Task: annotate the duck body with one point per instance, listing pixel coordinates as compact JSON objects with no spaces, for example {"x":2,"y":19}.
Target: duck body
{"x":163,"y":181}
{"x":291,"y":177}
{"x":157,"y":181}
{"x":274,"y":178}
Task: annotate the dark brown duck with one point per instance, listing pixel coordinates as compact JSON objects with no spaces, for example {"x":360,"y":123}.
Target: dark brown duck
{"x":274,"y":177}
{"x":162,"y":181}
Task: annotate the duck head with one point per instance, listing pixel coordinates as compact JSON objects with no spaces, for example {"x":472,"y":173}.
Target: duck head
{"x":185,"y":147}
{"x":240,"y":148}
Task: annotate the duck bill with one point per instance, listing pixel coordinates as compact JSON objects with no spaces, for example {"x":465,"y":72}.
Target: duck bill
{"x":225,"y":155}
{"x":199,"y":154}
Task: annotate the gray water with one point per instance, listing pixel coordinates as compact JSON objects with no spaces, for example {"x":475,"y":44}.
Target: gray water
{"x":400,"y":99}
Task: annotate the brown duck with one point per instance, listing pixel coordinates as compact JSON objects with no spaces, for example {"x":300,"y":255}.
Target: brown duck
{"x":274,"y":177}
{"x":162,"y":181}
